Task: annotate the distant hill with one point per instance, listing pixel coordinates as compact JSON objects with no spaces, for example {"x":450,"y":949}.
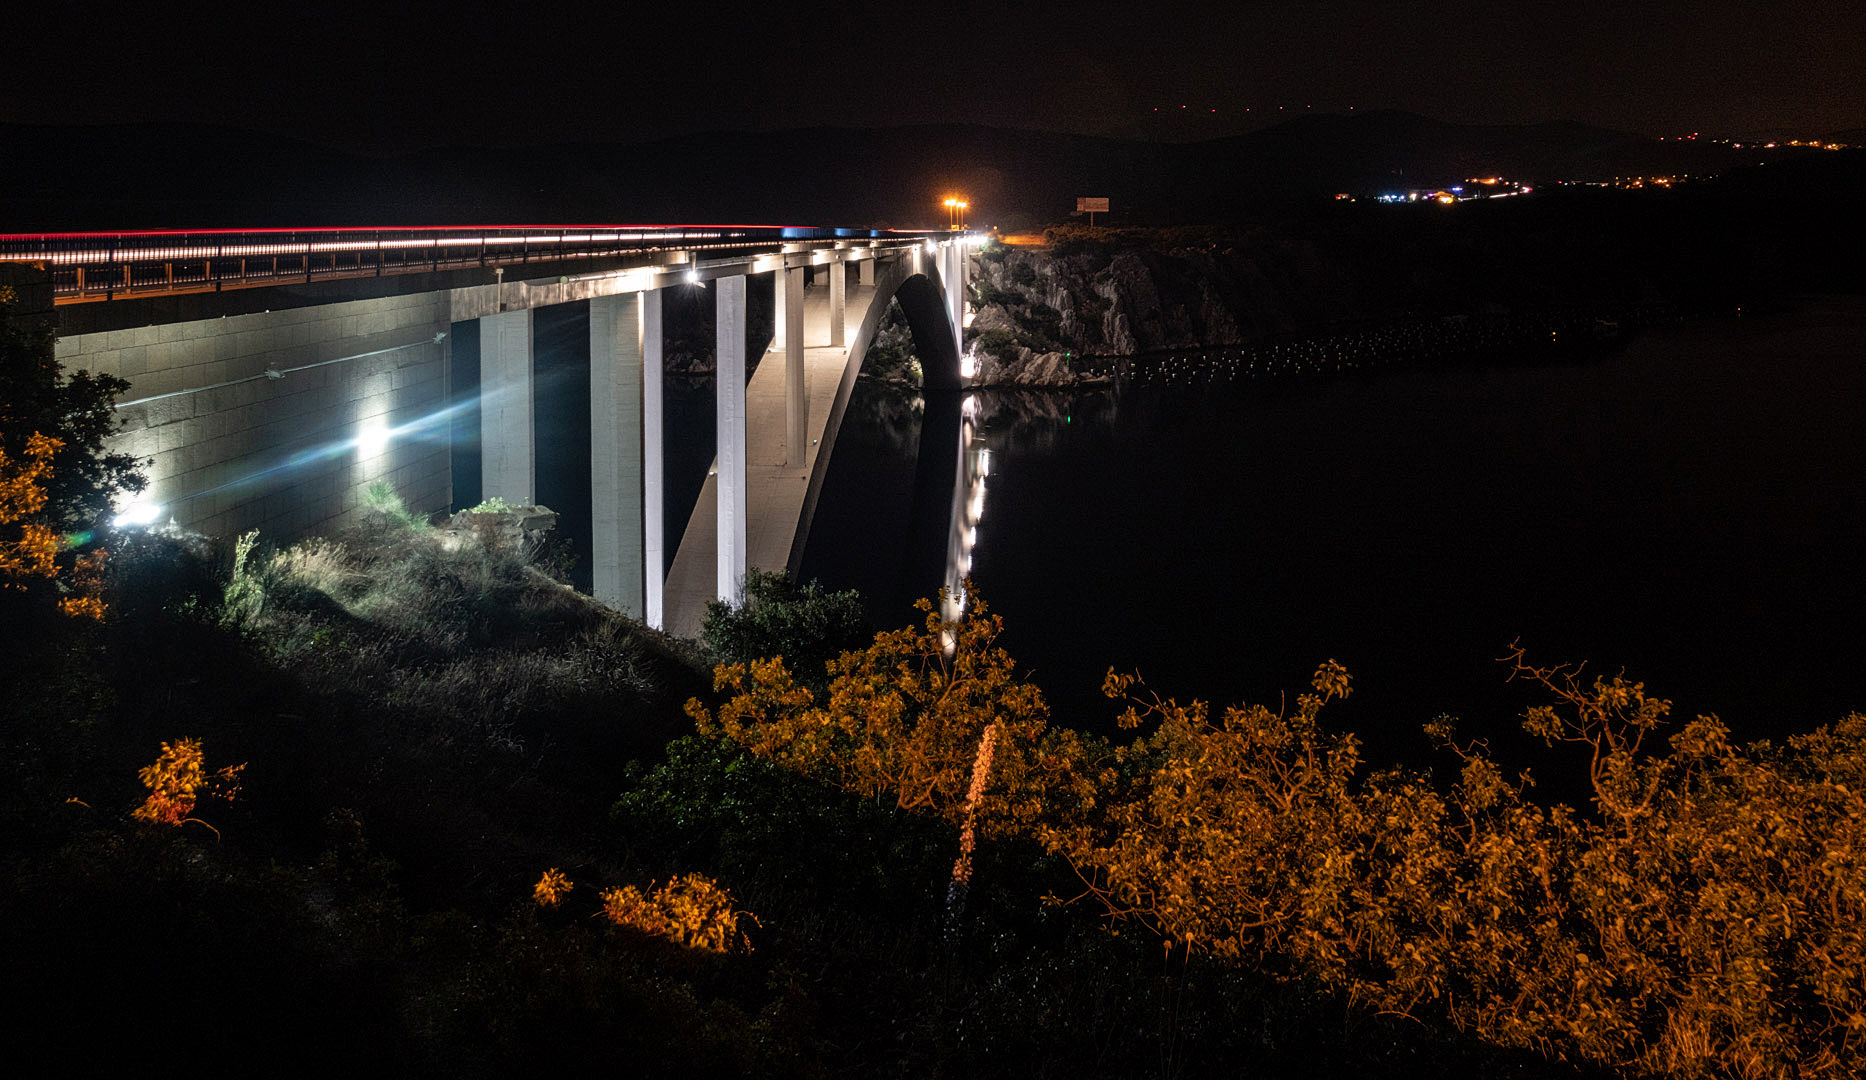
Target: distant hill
{"x":167,"y":175}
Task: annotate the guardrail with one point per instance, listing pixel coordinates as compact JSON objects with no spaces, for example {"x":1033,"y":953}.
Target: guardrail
{"x":104,"y":266}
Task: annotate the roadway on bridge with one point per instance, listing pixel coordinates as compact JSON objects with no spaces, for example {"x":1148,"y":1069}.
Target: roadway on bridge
{"x":775,"y":488}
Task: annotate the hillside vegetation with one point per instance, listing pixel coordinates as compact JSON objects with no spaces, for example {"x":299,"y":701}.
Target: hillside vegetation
{"x":402,"y":794}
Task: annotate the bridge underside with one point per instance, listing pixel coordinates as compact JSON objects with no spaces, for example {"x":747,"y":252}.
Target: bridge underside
{"x":781,"y":490}
{"x":278,"y":408}
{"x":775,"y":487}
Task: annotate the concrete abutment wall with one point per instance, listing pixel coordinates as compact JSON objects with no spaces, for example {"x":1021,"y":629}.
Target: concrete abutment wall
{"x":279,"y":421}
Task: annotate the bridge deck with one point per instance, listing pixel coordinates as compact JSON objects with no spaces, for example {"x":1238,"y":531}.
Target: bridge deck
{"x":775,"y":489}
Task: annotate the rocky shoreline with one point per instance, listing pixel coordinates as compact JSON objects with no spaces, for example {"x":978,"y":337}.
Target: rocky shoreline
{"x":1053,"y":318}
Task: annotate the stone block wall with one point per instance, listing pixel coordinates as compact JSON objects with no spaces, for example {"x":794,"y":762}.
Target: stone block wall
{"x":234,"y":449}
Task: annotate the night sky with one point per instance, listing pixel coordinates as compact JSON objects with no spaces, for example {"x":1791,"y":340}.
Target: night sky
{"x":399,"y":76}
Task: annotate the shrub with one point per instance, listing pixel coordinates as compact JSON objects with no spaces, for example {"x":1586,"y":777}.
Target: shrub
{"x":551,"y":888}
{"x":178,"y":780}
{"x":779,"y":617}
{"x":76,"y":413}
{"x":904,"y":719}
{"x":380,"y":501}
{"x":1707,"y":915}
{"x":29,"y":548}
{"x":691,"y":911}
{"x":1001,"y":345}
{"x":1045,"y":323}
{"x":984,"y":292}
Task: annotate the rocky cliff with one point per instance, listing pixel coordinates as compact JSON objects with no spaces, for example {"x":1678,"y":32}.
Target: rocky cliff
{"x":1054,"y":316}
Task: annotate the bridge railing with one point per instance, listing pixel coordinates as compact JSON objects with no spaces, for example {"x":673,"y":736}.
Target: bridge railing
{"x":98,"y":265}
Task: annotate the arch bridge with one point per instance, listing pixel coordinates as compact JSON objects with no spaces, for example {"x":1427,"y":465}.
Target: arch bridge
{"x":275,"y":375}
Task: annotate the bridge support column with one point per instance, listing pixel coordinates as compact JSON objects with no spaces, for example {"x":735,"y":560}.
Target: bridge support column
{"x":868,"y":267}
{"x":796,"y":394}
{"x":838,"y":301}
{"x":653,"y":507}
{"x":508,"y":459}
{"x":616,"y":447}
{"x":954,"y":273}
{"x":729,"y":423}
{"x":779,"y":309}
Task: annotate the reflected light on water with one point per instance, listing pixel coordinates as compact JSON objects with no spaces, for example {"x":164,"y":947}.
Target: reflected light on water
{"x":968,"y":508}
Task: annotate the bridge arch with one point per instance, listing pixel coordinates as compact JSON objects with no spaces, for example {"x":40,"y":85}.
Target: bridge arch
{"x":926,"y":304}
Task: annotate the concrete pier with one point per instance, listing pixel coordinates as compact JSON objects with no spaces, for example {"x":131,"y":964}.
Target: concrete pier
{"x":796,"y":399}
{"x":728,"y":480}
{"x":508,"y":460}
{"x":838,"y":302}
{"x":653,"y":462}
{"x":616,"y":443}
{"x":776,"y":486}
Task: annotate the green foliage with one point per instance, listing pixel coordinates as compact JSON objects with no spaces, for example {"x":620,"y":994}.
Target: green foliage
{"x":1023,"y":275}
{"x":494,"y":505}
{"x":78,"y":410}
{"x":380,"y":501}
{"x":984,"y":292}
{"x":1044,"y":323}
{"x":1104,"y":243}
{"x":713,"y":804}
{"x":1000,"y":345}
{"x":890,"y":352}
{"x":779,"y":617}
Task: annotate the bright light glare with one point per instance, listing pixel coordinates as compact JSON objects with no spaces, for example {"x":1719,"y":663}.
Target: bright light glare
{"x":693,"y":277}
{"x":138,"y":514}
{"x":372,"y":440}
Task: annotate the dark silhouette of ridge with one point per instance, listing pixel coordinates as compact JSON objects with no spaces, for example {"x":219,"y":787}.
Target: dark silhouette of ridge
{"x":197,"y":176}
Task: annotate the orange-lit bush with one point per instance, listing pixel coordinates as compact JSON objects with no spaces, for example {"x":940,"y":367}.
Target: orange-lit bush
{"x":691,"y":910}
{"x":86,"y":583}
{"x":904,"y":718}
{"x":28,"y":548}
{"x":1708,"y":916}
{"x":551,"y":888}
{"x":178,"y":780}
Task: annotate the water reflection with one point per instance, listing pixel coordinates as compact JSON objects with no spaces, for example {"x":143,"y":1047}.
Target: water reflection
{"x":968,"y":509}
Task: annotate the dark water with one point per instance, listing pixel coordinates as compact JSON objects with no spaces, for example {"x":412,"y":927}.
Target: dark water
{"x":1691,"y":508}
